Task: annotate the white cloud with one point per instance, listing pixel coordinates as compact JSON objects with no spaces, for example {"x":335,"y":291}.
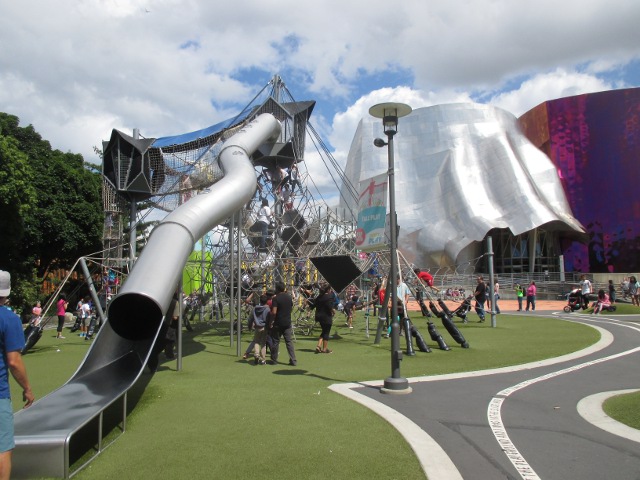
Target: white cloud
{"x":548,"y":86}
{"x":77,"y":69}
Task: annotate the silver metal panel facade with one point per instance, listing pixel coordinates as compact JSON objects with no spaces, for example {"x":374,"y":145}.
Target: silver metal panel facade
{"x":460,"y":171}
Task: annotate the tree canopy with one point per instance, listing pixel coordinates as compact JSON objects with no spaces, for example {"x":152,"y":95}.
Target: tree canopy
{"x":51,"y":206}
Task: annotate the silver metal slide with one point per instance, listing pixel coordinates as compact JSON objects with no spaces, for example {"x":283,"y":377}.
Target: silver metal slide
{"x":60,"y":428}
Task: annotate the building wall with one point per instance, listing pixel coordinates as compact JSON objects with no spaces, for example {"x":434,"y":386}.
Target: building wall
{"x":594,"y":142}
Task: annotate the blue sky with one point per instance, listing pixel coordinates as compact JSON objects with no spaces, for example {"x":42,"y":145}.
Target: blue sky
{"x":76,"y":69}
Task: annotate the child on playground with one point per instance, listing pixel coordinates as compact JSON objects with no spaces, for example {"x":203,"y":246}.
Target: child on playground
{"x":349,"y":307}
{"x":260,"y":321}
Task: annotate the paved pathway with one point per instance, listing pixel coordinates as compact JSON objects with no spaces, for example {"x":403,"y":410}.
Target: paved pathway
{"x":534,"y":421}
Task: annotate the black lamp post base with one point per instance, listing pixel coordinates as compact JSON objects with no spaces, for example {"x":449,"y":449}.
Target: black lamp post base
{"x":396,"y":386}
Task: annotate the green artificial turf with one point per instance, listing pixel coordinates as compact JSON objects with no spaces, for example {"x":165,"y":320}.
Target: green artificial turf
{"x":223,"y":417}
{"x":624,"y":409}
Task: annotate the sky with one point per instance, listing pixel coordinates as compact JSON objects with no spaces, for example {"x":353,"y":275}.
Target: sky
{"x":76,"y":69}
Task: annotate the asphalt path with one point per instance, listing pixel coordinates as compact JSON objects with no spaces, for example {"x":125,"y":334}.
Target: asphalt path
{"x":541,"y":420}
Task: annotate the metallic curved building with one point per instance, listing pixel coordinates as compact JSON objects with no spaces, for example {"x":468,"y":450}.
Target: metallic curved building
{"x":463,"y":171}
{"x":594,"y":141}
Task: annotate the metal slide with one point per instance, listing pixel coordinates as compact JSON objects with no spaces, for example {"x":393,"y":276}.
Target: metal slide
{"x":65,"y":421}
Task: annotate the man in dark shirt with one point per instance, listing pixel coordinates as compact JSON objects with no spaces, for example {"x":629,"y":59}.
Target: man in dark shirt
{"x":481,"y":297}
{"x":281,"y":307}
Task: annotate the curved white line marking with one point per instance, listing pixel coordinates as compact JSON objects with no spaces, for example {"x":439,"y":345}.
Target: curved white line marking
{"x":495,"y":406}
{"x":432,"y":457}
{"x":590,"y":408}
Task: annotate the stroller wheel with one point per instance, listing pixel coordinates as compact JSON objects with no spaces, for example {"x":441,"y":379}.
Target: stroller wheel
{"x":567,"y":309}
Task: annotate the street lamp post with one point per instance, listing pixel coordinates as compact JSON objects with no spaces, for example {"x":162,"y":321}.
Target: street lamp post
{"x":389,"y":113}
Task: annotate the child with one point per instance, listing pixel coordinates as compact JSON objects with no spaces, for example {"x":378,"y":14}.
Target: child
{"x":260,"y":321}
{"x":349,"y":307}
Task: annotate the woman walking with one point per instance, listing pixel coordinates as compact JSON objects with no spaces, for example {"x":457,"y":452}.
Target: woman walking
{"x":61,"y":309}
{"x":531,"y":296}
{"x":324,"y":305}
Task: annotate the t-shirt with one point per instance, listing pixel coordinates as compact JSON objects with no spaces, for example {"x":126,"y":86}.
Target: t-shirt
{"x":481,"y":292}
{"x":86,"y":310}
{"x":61,"y":307}
{"x":585,"y":285}
{"x":284,"y":303}
{"x":11,"y":340}
{"x":426,"y":278}
{"x":324,"y":305}
{"x":401,"y":291}
{"x":264,"y":214}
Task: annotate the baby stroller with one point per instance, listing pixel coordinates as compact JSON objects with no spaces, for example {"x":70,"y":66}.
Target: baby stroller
{"x":574,"y":301}
{"x":463,"y":309}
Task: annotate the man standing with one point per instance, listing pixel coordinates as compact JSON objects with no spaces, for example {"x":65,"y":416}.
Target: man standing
{"x":585,"y":291}
{"x":481,"y":297}
{"x":11,"y":343}
{"x":281,"y":306}
{"x":402,"y":292}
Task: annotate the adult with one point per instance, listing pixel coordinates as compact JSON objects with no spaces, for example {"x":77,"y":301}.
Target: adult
{"x":480,"y":296}
{"x":427,"y":278}
{"x":624,"y":286}
{"x":264,"y":220}
{"x":325,"y":310}
{"x":281,"y":307}
{"x":531,"y":296}
{"x":585,"y":290}
{"x":85,"y":316}
{"x":61,"y":309}
{"x":11,"y":344}
{"x":402,"y":292}
{"x":634,"y":291}
{"x":602,"y":302}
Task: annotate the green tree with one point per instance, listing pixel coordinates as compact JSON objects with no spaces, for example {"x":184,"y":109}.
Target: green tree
{"x":53,"y":201}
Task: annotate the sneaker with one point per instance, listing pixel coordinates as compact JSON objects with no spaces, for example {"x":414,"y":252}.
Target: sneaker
{"x":293,"y":363}
{"x":327,"y":351}
{"x":60,"y":336}
{"x":350,"y":326}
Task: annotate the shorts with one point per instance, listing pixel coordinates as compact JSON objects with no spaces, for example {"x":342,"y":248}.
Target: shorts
{"x":7,"y":441}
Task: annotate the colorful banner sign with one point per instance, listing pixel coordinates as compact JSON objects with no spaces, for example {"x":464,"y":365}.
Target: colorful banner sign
{"x":372,"y":210}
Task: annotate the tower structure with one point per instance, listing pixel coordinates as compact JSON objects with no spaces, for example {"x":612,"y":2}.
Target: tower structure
{"x":157,"y":175}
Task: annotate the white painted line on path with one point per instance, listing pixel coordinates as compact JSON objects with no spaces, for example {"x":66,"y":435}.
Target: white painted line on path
{"x":494,"y":413}
{"x":433,"y":459}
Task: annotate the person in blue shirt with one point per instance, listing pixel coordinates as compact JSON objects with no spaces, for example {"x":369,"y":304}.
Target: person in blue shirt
{"x":11,"y":344}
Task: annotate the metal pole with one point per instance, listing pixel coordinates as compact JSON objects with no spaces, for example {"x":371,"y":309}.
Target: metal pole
{"x":395,"y":382}
{"x":231,"y":279}
{"x":92,"y":289}
{"x":239,"y":283}
{"x":133,"y":214}
{"x":179,"y":332}
{"x":492,"y":283}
